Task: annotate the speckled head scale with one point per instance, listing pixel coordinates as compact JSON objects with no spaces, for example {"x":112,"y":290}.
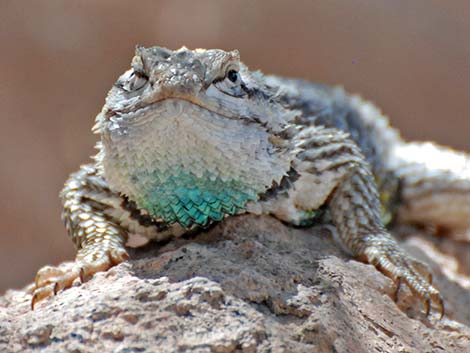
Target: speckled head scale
{"x":217,"y":165}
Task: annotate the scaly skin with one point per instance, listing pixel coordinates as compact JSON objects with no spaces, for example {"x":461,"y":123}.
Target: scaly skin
{"x":190,"y":137}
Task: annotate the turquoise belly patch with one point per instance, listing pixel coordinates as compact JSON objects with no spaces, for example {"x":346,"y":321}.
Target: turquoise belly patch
{"x":188,"y":200}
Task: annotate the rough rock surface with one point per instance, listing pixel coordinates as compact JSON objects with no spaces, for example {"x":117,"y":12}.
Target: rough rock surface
{"x":250,"y":284}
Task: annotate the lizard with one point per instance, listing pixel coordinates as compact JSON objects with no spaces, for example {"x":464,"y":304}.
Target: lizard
{"x":190,"y":137}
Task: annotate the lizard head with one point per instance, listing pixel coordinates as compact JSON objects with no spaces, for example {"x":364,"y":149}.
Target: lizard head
{"x":213,"y":79}
{"x":191,"y":135}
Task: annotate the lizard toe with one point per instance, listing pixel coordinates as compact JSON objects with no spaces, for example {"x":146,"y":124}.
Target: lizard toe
{"x":396,"y":264}
{"x":108,"y":259}
{"x":52,"y":279}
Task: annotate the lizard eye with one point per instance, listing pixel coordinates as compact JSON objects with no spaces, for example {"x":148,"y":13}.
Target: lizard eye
{"x":233,"y":76}
{"x":231,"y":84}
{"x":134,"y":81}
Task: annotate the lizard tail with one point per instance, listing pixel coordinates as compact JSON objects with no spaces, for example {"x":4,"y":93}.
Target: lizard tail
{"x":435,"y":185}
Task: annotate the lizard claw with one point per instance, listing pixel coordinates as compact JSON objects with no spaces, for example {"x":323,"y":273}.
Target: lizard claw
{"x":52,"y":279}
{"x":391,"y":260}
{"x":397,"y":290}
{"x":426,"y":303}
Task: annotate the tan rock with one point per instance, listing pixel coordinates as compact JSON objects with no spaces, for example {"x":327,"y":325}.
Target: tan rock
{"x":250,"y":284}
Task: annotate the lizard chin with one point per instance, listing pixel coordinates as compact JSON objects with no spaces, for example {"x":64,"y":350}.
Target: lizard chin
{"x":189,"y":165}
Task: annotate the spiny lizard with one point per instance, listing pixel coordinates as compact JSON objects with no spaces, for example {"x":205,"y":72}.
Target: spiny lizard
{"x":189,"y":137}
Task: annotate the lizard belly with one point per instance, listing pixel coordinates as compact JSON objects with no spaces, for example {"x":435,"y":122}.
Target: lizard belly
{"x":187,"y":165}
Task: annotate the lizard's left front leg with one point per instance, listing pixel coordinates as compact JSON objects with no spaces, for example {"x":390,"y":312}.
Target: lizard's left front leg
{"x":336,"y":161}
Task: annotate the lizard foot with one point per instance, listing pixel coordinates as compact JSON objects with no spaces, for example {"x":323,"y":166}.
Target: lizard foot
{"x":52,"y":279}
{"x":394,"y":262}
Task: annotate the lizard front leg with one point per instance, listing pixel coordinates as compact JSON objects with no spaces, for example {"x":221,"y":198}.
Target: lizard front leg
{"x":98,"y":234}
{"x":333,"y":171}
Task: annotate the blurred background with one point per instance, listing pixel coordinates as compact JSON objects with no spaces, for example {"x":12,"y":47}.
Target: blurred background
{"x":59,"y":58}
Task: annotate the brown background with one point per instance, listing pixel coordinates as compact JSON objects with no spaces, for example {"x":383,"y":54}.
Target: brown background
{"x":58,"y":59}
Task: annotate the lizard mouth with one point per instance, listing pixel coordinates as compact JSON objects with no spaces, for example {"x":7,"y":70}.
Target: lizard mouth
{"x":179,"y":104}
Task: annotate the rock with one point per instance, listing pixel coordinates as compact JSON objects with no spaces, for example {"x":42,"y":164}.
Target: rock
{"x":250,"y":284}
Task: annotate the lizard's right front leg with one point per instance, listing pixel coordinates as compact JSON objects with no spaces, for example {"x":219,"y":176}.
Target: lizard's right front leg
{"x":95,"y":221}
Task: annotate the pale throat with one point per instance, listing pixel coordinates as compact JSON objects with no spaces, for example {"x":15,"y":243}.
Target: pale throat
{"x":187,"y":165}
